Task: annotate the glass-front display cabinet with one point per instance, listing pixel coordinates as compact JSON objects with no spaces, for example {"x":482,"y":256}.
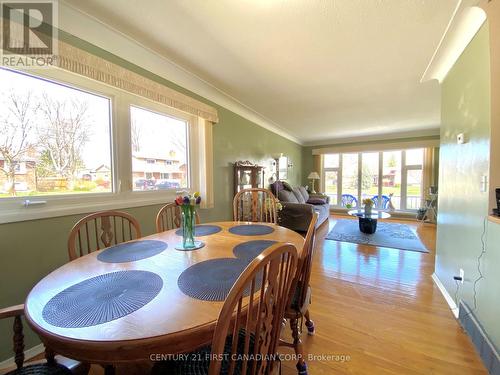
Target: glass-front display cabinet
{"x":247,"y":175}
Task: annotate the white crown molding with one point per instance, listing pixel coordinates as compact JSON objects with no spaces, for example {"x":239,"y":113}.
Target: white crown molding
{"x":434,"y":132}
{"x":94,"y":31}
{"x":464,"y":24}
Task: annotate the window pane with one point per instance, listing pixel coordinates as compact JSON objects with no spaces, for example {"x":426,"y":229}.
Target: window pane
{"x":391,"y":179}
{"x":414,"y":189}
{"x":331,"y":160}
{"x":350,"y":179}
{"x":53,"y":139}
{"x":331,"y":186}
{"x":415,"y":157}
{"x":159,"y":151}
{"x":369,"y":175}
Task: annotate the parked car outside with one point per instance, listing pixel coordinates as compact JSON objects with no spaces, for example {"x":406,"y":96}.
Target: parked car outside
{"x":145,"y":184}
{"x":165,"y":185}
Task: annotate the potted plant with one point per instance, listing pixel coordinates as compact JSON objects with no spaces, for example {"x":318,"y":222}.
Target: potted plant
{"x":368,"y":202}
{"x":421,"y":213}
{"x":188,"y":204}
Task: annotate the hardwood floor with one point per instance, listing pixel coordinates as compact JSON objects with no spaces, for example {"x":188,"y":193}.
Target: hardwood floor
{"x":380,"y":308}
{"x":377,"y":311}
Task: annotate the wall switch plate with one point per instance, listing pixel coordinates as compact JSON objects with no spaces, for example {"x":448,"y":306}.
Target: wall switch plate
{"x":462,"y":275}
{"x":484,"y":183}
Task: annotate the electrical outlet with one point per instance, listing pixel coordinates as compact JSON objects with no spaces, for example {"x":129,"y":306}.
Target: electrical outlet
{"x":462,"y":275}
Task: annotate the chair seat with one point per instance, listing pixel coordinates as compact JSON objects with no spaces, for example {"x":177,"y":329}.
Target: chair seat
{"x":198,"y":362}
{"x":41,"y":369}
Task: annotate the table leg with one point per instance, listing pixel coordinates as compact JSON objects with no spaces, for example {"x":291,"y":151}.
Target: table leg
{"x":368,"y":226}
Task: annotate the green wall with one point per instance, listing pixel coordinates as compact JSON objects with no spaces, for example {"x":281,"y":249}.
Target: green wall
{"x":30,"y":250}
{"x":462,"y":206}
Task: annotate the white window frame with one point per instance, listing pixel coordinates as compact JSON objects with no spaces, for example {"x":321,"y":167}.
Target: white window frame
{"x":122,"y":196}
{"x":404,"y":174}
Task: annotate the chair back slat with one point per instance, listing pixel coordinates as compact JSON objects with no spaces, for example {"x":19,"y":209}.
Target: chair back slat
{"x":253,"y":322}
{"x":89,"y":249}
{"x":100,"y":230}
{"x":303,"y":274}
{"x":169,"y":217}
{"x":255,"y":205}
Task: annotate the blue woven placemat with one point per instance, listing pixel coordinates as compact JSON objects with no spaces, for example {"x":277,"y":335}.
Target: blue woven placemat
{"x":212,"y":279}
{"x":202,"y":230}
{"x":132,"y":251}
{"x":251,"y":230}
{"x":102,"y":299}
{"x":249,"y":250}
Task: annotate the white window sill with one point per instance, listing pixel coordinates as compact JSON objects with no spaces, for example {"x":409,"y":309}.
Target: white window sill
{"x":100,"y":202}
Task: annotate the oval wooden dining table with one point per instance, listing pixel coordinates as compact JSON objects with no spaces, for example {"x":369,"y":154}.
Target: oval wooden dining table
{"x":171,"y":323}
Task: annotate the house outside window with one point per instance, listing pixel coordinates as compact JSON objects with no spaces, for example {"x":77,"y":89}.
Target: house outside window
{"x":159,"y":151}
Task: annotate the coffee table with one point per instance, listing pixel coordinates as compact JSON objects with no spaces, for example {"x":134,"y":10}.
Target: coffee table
{"x":368,"y":223}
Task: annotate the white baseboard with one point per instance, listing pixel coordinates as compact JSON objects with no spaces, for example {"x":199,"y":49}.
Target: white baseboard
{"x":30,"y":353}
{"x":453,"y":306}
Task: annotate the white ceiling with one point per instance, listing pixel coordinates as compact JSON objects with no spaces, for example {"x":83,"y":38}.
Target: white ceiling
{"x":321,"y":70}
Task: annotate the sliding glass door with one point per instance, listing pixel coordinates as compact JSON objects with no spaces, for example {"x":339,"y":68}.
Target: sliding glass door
{"x":331,"y":166}
{"x":350,"y":183}
{"x":391,"y":177}
{"x":388,"y":177}
{"x":369,"y":175}
{"x":413,"y":172}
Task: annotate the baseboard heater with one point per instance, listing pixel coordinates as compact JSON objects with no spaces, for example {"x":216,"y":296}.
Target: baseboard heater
{"x":486,"y":349}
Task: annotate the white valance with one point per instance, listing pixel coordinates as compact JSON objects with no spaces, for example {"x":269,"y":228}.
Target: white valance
{"x":397,"y":145}
{"x":88,"y":65}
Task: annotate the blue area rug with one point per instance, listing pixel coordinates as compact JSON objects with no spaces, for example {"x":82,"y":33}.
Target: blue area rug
{"x":393,"y":235}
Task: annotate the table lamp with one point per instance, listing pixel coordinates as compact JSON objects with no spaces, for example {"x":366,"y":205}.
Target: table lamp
{"x":313,"y":176}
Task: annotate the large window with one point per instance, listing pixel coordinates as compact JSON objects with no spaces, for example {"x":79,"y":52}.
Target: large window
{"x":71,"y":145}
{"x":389,"y":177}
{"x":331,"y":177}
{"x":53,"y":139}
{"x":159,"y":151}
{"x":350,"y":183}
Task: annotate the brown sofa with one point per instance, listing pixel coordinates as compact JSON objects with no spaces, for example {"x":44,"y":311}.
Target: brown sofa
{"x":299,"y":206}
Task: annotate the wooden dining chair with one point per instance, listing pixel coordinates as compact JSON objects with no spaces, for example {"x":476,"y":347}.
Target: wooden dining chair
{"x":247,"y":332}
{"x":300,"y":297}
{"x":52,"y":365}
{"x":100,"y":230}
{"x":169,"y":217}
{"x":256,"y":205}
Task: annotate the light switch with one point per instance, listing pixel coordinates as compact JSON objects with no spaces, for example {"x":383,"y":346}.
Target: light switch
{"x":484,"y":183}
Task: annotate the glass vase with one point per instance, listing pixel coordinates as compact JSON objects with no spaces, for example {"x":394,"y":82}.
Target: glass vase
{"x":188,"y":226}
